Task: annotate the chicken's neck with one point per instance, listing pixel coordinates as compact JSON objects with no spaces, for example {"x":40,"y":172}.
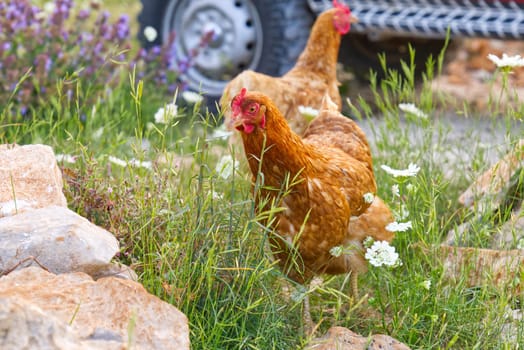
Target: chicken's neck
{"x":320,"y":55}
{"x":276,"y":152}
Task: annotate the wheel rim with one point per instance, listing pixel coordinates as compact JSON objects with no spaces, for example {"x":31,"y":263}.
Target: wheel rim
{"x":236,"y":44}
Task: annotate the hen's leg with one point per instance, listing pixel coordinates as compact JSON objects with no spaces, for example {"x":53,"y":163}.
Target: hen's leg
{"x":354,"y":285}
{"x":308,"y":322}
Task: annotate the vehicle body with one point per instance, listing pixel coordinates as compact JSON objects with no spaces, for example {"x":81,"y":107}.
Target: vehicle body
{"x":267,"y":36}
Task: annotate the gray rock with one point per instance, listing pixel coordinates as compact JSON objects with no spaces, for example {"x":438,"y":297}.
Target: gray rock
{"x":29,"y":179}
{"x":511,"y":234}
{"x":26,"y":327}
{"x":57,"y":239}
{"x":489,"y":190}
{"x":108,"y":310}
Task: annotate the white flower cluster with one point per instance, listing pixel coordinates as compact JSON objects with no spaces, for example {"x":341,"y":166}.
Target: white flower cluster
{"x":395,"y":190}
{"x":164,"y":115}
{"x":382,"y":254}
{"x":426,"y":284}
{"x":192,"y":97}
{"x":336,"y":251}
{"x":65,"y":158}
{"x":369,"y":197}
{"x":225,"y":167}
{"x":309,"y":113}
{"x":412,"y":170}
{"x":399,"y":226}
{"x":507,"y":61}
{"x":132,"y":162}
{"x":150,"y":33}
{"x":220,"y":133}
{"x":412,"y":109}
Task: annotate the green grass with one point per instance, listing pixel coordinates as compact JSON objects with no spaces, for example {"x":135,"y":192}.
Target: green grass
{"x":196,"y":242}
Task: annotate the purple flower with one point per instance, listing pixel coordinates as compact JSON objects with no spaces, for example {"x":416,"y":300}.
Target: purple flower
{"x":156,"y":50}
{"x":83,"y":14}
{"x":183,"y":65}
{"x":122,"y":27}
{"x":55,"y":47}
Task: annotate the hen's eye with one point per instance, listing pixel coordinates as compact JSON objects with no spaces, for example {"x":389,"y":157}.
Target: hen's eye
{"x":252,"y":109}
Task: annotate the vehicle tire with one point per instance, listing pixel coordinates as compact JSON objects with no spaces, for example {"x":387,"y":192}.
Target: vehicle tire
{"x":262,"y":35}
{"x":361,"y":53}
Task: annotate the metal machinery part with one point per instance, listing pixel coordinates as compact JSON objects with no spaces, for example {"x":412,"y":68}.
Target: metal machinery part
{"x":432,"y":18}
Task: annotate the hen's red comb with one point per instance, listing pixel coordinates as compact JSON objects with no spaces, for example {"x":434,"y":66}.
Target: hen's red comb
{"x":342,"y":17}
{"x":340,"y":6}
{"x":237,"y":102}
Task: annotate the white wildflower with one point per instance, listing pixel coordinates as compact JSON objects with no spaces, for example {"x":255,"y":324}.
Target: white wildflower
{"x":507,"y":61}
{"x":403,"y":212}
{"x":216,"y":195}
{"x":132,"y":162}
{"x":395,"y":190}
{"x":97,"y":134}
{"x":165,"y":115}
{"x":65,"y":158}
{"x":336,"y":251}
{"x":47,"y":10}
{"x":309,"y":113}
{"x":410,"y":187}
{"x":141,"y":163}
{"x":150,"y":33}
{"x":369,"y":197}
{"x":220,"y":133}
{"x":398,"y":226}
{"x":49,"y":7}
{"x":412,"y":170}
{"x":368,"y":242}
{"x":381,"y":253}
{"x":117,"y":161}
{"x":426,"y":284}
{"x":192,"y":97}
{"x":225,"y":167}
{"x":412,"y":109}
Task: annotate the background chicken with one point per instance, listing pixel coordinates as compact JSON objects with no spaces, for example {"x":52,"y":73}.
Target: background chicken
{"x":310,"y":79}
{"x":328,"y":172}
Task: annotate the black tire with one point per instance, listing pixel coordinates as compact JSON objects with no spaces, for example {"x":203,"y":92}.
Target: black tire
{"x":283,"y":30}
{"x":360,"y":53}
{"x":286,"y":26}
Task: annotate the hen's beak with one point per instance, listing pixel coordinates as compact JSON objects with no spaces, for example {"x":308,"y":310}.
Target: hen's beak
{"x":353,"y":19}
{"x":235,"y":122}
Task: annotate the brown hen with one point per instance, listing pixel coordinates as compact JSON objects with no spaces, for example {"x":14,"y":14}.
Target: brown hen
{"x":314,"y":74}
{"x":320,"y":182}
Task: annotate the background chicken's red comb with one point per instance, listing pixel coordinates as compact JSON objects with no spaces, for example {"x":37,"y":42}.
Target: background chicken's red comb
{"x":237,"y":101}
{"x":340,"y":6}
